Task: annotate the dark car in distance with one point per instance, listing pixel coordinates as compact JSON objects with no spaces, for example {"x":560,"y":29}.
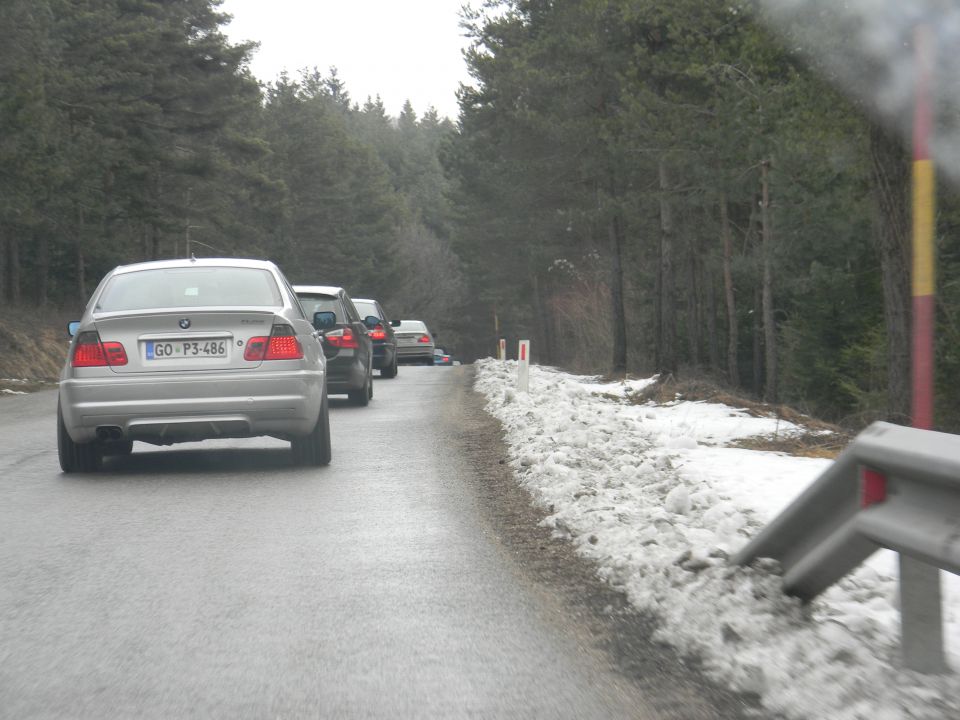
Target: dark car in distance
{"x":382,"y":335}
{"x":346,"y":340}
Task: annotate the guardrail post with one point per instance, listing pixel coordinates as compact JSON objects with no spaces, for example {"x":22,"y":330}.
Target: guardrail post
{"x":921,"y":622}
{"x":523,"y":366}
{"x":502,"y":349}
{"x":893,"y":487}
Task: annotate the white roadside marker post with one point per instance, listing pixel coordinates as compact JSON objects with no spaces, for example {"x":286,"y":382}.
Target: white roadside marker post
{"x":502,"y":350}
{"x":523,"y":366}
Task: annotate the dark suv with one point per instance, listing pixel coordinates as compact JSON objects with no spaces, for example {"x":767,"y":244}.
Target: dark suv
{"x":384,"y":341}
{"x":346,"y":339}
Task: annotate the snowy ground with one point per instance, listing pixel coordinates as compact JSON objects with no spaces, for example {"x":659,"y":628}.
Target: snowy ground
{"x":652,"y":494}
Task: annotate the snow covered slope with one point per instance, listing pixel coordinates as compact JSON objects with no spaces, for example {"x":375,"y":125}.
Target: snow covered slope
{"x":655,"y":497}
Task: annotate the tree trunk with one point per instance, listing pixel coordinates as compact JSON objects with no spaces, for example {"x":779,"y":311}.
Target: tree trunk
{"x":615,"y":230}
{"x":3,"y":264}
{"x":545,"y":352}
{"x":769,"y":329}
{"x":891,"y":181}
{"x":154,"y":242}
{"x":668,"y":325}
{"x":710,"y":311}
{"x":43,"y":268}
{"x":693,"y":307}
{"x":658,"y":310}
{"x":80,"y":259}
{"x":14,"y":243}
{"x":757,"y":343}
{"x":733,"y":372}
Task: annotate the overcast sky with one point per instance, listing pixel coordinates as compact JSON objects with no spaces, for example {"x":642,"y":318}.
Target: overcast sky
{"x":399,"y":49}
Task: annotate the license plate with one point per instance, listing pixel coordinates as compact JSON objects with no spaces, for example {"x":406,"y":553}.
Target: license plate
{"x":180,"y":349}
{"x":408,"y":341}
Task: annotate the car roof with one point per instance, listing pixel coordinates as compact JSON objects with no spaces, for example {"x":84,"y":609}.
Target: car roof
{"x":318,"y":289}
{"x":366,"y":300}
{"x":197,"y":262}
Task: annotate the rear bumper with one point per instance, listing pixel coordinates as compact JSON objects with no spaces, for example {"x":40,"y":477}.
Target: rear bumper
{"x":345,"y":372}
{"x":415,"y":353}
{"x":166,"y":409}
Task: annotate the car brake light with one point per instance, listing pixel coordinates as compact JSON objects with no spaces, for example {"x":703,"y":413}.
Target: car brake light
{"x":284,"y":348}
{"x":423,"y":339}
{"x":378,"y":333}
{"x":90,"y":352}
{"x":342,"y":338}
{"x":281,"y":345}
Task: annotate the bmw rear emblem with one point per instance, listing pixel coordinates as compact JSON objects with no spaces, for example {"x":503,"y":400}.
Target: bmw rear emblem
{"x":184,"y":323}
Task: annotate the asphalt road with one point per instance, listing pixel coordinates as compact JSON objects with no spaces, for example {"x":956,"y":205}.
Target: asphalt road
{"x":406,"y":580}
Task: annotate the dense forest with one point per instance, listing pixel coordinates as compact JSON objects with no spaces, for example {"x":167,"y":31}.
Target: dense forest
{"x":633,"y":185}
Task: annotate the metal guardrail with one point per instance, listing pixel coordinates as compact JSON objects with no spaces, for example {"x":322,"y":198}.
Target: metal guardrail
{"x":893,"y":487}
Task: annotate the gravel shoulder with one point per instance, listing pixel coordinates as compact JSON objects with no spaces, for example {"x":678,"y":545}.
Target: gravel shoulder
{"x":609,"y":627}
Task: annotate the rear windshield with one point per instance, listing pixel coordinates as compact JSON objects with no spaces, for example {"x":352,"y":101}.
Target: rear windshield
{"x":366,"y":308}
{"x":412,"y":325}
{"x":189,"y":287}
{"x":322,"y":303}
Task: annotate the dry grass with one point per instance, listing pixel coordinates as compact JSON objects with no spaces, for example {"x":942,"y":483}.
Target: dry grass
{"x":813,"y":445}
{"x":819,"y":439}
{"x":33,"y":345}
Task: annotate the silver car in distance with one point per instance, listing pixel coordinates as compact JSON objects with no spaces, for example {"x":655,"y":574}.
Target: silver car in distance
{"x":185,"y":350}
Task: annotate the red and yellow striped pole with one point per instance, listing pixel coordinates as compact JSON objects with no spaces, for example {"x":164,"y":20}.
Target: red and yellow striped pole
{"x":921,"y":619}
{"x":923,"y":223}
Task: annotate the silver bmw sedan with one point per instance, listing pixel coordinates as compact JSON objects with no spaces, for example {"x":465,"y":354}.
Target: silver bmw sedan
{"x":185,"y":350}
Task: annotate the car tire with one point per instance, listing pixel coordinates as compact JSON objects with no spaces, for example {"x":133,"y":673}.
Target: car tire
{"x":75,"y":457}
{"x":361,"y":396}
{"x":315,"y":449}
{"x":390,"y":372}
{"x":118,"y":448}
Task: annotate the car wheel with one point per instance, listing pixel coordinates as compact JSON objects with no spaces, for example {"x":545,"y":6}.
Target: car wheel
{"x":361,"y":396}
{"x":390,"y":372}
{"x":119,"y":447}
{"x":75,"y":457}
{"x":314,"y":449}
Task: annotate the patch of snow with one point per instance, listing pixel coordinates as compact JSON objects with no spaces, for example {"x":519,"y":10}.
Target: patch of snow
{"x":7,"y":391}
{"x":653,"y":496}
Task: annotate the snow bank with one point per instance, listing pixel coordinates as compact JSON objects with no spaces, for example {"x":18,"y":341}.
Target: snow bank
{"x":650,"y":493}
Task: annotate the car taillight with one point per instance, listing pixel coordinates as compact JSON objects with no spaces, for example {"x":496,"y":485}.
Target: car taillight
{"x":115,"y":353}
{"x":342,"y":338}
{"x":281,"y":345}
{"x":90,"y":352}
{"x":378,"y":333}
{"x":284,"y":348}
{"x":423,"y":339}
{"x":256,"y":348}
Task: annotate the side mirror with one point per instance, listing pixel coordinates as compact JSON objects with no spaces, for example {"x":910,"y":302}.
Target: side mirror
{"x":72,"y":327}
{"x":324,"y":320}
{"x":371,"y":321}
{"x":435,"y":336}
{"x":394,"y":323}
